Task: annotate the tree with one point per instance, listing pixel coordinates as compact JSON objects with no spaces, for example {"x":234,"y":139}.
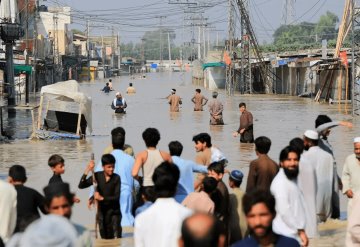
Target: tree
{"x":152,"y":43}
{"x":326,"y":27}
{"x":305,"y":35}
{"x":77,"y":31}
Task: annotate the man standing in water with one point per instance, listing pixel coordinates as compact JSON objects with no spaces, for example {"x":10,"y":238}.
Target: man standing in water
{"x":174,"y":101}
{"x":246,"y":125}
{"x":216,"y":108}
{"x":351,"y":174}
{"x":110,"y":85}
{"x":323,"y":165}
{"x":199,"y":100}
{"x":119,"y":104}
{"x":130,"y":89}
{"x":323,"y":125}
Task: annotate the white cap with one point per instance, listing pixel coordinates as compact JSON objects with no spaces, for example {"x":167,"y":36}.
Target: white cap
{"x":118,"y":93}
{"x":311,"y":134}
{"x":356,"y":139}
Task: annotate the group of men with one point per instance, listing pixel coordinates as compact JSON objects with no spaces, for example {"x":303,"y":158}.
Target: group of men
{"x":281,"y":206}
{"x":216,"y":109}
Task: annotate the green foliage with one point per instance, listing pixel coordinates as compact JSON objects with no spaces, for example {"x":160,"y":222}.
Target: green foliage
{"x":77,"y":31}
{"x":326,"y":26}
{"x":151,"y":42}
{"x":305,"y":35}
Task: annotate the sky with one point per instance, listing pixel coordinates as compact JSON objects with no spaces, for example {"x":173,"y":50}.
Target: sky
{"x":131,"y":18}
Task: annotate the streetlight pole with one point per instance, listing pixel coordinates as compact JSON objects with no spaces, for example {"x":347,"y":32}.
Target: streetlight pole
{"x":9,"y":33}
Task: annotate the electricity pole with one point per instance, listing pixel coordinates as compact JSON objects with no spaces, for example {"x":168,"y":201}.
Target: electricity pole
{"x":161,"y":44}
{"x":88,"y":47}
{"x":168,"y":34}
{"x":35,"y":47}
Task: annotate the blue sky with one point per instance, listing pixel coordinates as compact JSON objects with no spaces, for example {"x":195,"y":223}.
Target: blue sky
{"x":132,"y":18}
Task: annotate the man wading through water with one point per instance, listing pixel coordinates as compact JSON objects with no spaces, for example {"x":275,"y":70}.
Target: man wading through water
{"x":119,"y":104}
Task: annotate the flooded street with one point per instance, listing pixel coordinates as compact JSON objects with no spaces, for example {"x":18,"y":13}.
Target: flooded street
{"x":281,"y":118}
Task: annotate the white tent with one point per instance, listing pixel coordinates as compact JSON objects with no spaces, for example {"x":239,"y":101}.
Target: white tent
{"x":65,"y":96}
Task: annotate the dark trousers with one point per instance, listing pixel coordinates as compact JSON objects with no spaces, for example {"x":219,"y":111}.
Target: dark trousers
{"x":247,"y":136}
{"x":335,"y":206}
{"x":109,"y":223}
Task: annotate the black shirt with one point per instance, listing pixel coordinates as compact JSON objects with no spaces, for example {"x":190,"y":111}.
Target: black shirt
{"x":110,"y":190}
{"x":56,"y":178}
{"x":106,"y":89}
{"x":28,"y":202}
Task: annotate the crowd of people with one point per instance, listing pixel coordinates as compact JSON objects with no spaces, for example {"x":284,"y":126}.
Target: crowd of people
{"x":156,"y":192}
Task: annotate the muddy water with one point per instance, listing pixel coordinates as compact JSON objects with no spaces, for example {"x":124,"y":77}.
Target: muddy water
{"x":278,"y":117}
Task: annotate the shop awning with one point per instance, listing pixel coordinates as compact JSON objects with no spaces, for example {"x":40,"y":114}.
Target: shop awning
{"x":18,"y":68}
{"x":216,"y":64}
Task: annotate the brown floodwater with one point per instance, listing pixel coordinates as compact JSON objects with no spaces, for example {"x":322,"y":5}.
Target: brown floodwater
{"x":278,"y":117}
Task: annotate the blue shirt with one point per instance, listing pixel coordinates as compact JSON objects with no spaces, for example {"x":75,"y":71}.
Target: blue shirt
{"x":186,"y":181}
{"x":281,"y":241}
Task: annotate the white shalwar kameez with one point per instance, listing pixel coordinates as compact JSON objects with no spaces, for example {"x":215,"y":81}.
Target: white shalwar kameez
{"x":322,"y":161}
{"x":308,"y":187}
{"x":351,"y":177}
{"x":290,"y":209}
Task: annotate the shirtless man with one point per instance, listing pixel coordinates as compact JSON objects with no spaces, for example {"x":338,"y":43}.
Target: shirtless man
{"x":174,"y":101}
{"x":216,"y":108}
{"x":207,"y":154}
{"x":130,"y":89}
{"x":199,"y":100}
{"x":110,"y":85}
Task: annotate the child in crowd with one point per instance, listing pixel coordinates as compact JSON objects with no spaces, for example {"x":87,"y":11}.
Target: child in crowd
{"x":148,"y":197}
{"x":57,"y":165}
{"x":28,"y":199}
{"x":107,"y":194}
{"x":237,"y":219}
{"x":216,"y":170}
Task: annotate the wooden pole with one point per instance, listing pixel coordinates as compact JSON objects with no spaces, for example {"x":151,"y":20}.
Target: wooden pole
{"x":33,"y":121}
{"x":340,"y":84}
{"x":78,"y":122}
{"x":39,"y":112}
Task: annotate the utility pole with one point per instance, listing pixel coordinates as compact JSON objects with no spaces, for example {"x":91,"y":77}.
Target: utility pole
{"x":88,"y":47}
{"x":199,"y":42}
{"x":204,"y":39}
{"x":112,"y":49}
{"x":119,"y":53}
{"x":10,"y":31}
{"x":288,"y":16}
{"x":161,"y":44}
{"x":57,"y":63}
{"x":26,"y":51}
{"x":355,"y":27}
{"x":229,"y":86}
{"x":142,"y":52}
{"x":26,"y":32}
{"x":103,"y":55}
{"x":168,"y":34}
{"x":35,"y":46}
{"x":264,"y":71}
{"x":245,"y":64}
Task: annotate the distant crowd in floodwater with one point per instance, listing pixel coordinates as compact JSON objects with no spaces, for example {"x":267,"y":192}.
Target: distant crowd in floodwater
{"x":156,"y":192}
